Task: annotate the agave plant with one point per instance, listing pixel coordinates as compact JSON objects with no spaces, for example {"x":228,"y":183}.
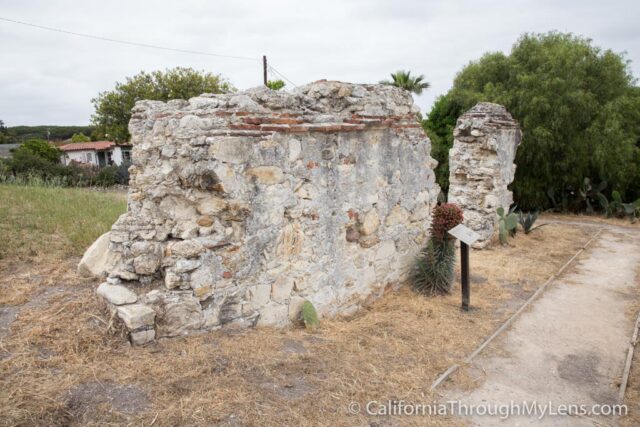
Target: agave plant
{"x":507,"y":224}
{"x":527,"y":220}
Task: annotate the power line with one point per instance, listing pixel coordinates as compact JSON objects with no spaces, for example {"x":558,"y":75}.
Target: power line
{"x":281,"y":75}
{"x":107,"y":39}
{"x":145,"y":45}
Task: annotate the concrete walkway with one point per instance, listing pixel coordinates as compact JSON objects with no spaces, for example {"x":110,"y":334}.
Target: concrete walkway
{"x":570,"y":346}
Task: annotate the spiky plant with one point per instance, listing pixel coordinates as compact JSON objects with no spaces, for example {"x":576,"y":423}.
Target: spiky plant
{"x":527,"y":220}
{"x":434,"y":270}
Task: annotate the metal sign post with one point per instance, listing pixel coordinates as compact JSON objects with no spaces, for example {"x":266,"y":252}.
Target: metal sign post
{"x":464,"y":275}
{"x":466,"y":237}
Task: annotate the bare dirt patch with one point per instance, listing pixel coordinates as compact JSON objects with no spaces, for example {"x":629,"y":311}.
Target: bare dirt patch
{"x":392,"y":349}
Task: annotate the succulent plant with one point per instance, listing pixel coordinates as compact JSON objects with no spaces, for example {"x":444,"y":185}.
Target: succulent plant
{"x":507,"y":224}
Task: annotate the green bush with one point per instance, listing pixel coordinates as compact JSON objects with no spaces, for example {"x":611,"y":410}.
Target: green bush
{"x":309,"y":315}
{"x":275,"y":84}
{"x":40,"y":148}
{"x":122,"y":174}
{"x":578,"y":106}
{"x":106,"y":177}
{"x":30,"y":169}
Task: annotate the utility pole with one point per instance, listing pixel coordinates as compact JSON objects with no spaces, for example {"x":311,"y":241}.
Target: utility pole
{"x":264,"y":68}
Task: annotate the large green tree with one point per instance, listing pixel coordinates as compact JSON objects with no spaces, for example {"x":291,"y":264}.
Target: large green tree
{"x":404,"y":80}
{"x":113,"y":108}
{"x":578,"y":107}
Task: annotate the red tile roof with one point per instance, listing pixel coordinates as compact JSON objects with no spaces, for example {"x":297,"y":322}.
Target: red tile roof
{"x":97,"y":146}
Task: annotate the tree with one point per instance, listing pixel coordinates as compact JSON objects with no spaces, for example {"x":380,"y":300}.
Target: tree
{"x":578,"y":107}
{"x":6,"y":136}
{"x":113,"y":108}
{"x":275,"y":84}
{"x":404,"y":80}
{"x":80,"y":137}
{"x":39,"y":148}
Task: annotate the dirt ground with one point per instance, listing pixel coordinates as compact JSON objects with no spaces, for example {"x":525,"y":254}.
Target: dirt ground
{"x":63,"y":363}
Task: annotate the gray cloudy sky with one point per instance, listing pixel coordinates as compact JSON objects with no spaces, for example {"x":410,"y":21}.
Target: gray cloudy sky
{"x":50,"y":78}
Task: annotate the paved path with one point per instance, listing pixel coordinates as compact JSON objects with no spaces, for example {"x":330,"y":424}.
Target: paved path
{"x":571,"y":345}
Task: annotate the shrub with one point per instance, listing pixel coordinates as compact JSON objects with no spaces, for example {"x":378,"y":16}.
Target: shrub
{"x":40,"y":148}
{"x":434,"y":271}
{"x":80,"y":137}
{"x":122,"y":174}
{"x":309,"y":315}
{"x":275,"y":84}
{"x":30,"y":169}
{"x":106,"y":177}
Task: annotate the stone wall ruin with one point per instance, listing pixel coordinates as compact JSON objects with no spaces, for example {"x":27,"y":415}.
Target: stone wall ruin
{"x":241,"y":206}
{"x":481,"y":166}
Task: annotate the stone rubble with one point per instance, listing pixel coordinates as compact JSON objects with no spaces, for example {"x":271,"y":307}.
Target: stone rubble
{"x":481,"y":166}
{"x":242,"y":206}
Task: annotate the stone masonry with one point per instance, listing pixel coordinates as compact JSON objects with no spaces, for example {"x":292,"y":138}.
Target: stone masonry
{"x":481,"y":166}
{"x":241,"y":206}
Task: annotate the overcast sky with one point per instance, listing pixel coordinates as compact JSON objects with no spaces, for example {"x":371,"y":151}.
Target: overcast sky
{"x":50,"y":78}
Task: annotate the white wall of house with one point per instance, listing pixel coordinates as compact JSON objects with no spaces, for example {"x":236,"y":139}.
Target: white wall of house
{"x":121,"y":155}
{"x":84,"y":156}
{"x":116,"y":155}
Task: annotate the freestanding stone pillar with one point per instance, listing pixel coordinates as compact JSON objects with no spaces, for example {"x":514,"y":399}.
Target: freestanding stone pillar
{"x":243,"y":205}
{"x":481,"y":166}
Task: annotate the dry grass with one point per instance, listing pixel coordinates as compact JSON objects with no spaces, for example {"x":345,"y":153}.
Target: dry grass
{"x":60,"y":364}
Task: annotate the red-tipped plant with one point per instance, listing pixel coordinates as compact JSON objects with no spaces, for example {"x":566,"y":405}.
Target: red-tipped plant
{"x":434,"y":271}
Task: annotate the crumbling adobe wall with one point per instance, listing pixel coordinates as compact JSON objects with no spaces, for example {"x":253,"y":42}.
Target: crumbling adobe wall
{"x":481,"y":166}
{"x":241,"y":206}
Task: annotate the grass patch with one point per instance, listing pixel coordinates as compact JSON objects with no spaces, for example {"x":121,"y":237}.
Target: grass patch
{"x":47,"y":221}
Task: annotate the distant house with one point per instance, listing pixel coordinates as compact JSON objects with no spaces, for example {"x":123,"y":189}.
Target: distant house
{"x":99,"y":153}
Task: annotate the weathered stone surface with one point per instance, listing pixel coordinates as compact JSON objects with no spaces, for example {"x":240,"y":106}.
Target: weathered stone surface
{"x":481,"y":166}
{"x":211,"y":205}
{"x":136,"y":316}
{"x":178,"y":313}
{"x":98,"y":260}
{"x":266,"y":174}
{"x":142,"y":337}
{"x":146,"y":263}
{"x":116,"y":294}
{"x":241,"y":206}
{"x":370,"y":223}
{"x":185,"y":248}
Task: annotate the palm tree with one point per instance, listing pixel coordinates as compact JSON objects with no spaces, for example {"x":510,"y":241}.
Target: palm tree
{"x":404,"y":80}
